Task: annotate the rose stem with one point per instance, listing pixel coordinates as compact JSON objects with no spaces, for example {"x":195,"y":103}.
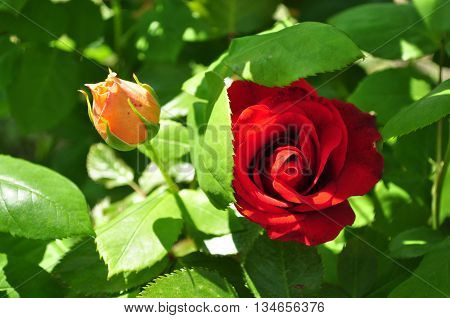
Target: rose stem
{"x":153,"y":154}
{"x":137,"y":189}
{"x":441,"y":163}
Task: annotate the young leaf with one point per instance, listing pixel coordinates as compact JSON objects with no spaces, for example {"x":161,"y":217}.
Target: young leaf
{"x":386,"y":30}
{"x":211,"y":143}
{"x":302,"y":50}
{"x":104,"y":166}
{"x":190,"y":283}
{"x":388,"y":91}
{"x":431,"y":279}
{"x":172,"y":140}
{"x":422,"y":113}
{"x":140,"y":236}
{"x":38,"y":203}
{"x":86,"y":274}
{"x":205,"y":217}
{"x":276,"y":269}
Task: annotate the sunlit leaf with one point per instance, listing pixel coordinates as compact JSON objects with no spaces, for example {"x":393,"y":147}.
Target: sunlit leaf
{"x":190,"y":283}
{"x":302,"y":50}
{"x":386,"y":30}
{"x":140,"y":236}
{"x":205,"y":217}
{"x":212,"y":150}
{"x":104,"y":166}
{"x":422,"y":113}
{"x":38,"y":203}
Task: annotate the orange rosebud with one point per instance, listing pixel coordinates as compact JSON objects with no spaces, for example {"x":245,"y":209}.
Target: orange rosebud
{"x":125,"y":114}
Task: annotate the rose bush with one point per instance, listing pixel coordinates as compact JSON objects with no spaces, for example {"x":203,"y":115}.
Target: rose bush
{"x":298,"y":157}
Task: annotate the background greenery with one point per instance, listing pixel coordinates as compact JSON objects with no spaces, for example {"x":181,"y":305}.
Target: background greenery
{"x":78,"y":219}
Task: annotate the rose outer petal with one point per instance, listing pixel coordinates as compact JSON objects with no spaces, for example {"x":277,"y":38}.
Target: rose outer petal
{"x":243,"y":94}
{"x":315,"y":227}
{"x":364,"y":165}
{"x":312,"y":228}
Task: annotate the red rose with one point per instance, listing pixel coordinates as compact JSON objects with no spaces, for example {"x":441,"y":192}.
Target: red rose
{"x":298,"y":157}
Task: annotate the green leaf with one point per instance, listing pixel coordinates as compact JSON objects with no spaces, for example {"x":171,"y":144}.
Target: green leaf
{"x":228,"y":267}
{"x":198,"y":85}
{"x":88,"y":28}
{"x":55,"y":251}
{"x":388,"y":91}
{"x":46,"y":21}
{"x":160,"y":39}
{"x":52,"y":75}
{"x":165,"y":78}
{"x":364,"y":209}
{"x":140,"y":236}
{"x":211,"y":145}
{"x":422,"y":113}
{"x":397,"y":209}
{"x":302,"y":50}
{"x":172,"y":140}
{"x":20,"y":278}
{"x":431,"y":279}
{"x":239,"y":242}
{"x":190,"y":283}
{"x":38,"y":203}
{"x":357,"y":268}
{"x":217,"y":18}
{"x":445,"y":200}
{"x":181,"y":172}
{"x":320,"y":10}
{"x":104,"y":166}
{"x":205,"y":217}
{"x":436,"y":15}
{"x":86,"y":274}
{"x":30,"y":250}
{"x":338,"y":84}
{"x":386,"y":30}
{"x":6,"y":290}
{"x":276,"y":269}
{"x":12,"y":5}
{"x":179,"y":106}
{"x":414,"y":242}
{"x":8,"y":57}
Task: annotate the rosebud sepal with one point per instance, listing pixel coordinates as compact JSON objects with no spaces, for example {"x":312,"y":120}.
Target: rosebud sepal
{"x":147,"y":87}
{"x":91,"y":115}
{"x":152,"y":129}
{"x":114,"y":141}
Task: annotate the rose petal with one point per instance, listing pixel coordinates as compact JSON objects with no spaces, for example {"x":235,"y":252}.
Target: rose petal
{"x":364,"y":165}
{"x":243,"y":94}
{"x":316,"y":227}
